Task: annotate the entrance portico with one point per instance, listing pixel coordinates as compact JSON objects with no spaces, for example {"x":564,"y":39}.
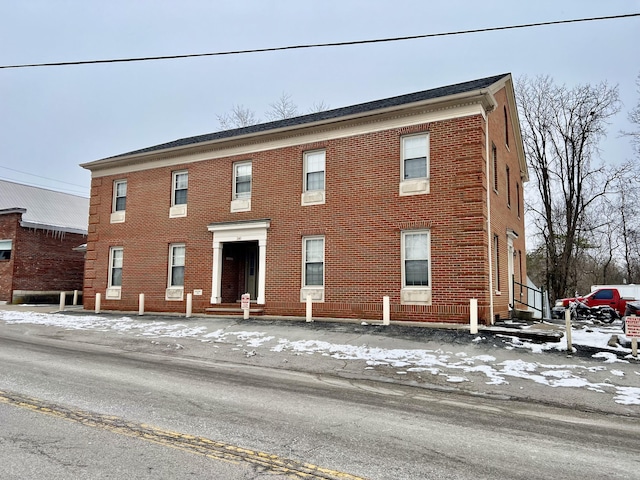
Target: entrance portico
{"x":239,"y":232}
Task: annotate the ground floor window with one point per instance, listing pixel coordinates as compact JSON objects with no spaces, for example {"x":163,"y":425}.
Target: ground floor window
{"x":313,"y":259}
{"x":416,"y":257}
{"x":176,"y":265}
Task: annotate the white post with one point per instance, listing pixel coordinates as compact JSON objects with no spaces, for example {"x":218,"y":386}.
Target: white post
{"x":567,"y":322}
{"x":141,"y":304}
{"x":98,"y":297}
{"x":309,"y":309}
{"x":75,"y":298}
{"x":245,"y":313}
{"x":62,"y":300}
{"x":473,"y":316}
{"x":189,"y":304}
{"x":634,"y":347}
{"x":386,"y":311}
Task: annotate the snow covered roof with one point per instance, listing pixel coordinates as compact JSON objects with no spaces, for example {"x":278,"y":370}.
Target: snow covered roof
{"x":45,"y":209}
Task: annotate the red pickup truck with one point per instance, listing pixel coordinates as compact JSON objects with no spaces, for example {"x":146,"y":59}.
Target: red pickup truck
{"x":601,"y":296}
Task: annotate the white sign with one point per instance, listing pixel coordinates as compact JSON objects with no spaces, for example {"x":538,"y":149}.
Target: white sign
{"x":633,"y":327}
{"x":197,"y":292}
{"x":245,"y":301}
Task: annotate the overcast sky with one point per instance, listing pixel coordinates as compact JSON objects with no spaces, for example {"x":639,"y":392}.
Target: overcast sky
{"x":54,"y":118}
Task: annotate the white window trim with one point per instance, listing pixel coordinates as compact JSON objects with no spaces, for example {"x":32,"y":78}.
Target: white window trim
{"x":180,"y":209}
{"x":415,"y":295}
{"x":174,"y":292}
{"x":313,"y":197}
{"x":241,"y":204}
{"x":7,"y":246}
{"x":118,"y":216}
{"x":316,"y":292}
{"x":114,"y":292}
{"x":415,"y":186}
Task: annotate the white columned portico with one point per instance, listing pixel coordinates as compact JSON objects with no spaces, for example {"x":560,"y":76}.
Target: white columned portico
{"x":244,"y":231}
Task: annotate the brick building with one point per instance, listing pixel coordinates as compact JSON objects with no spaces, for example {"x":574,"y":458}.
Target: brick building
{"x":417,"y":197}
{"x":40,"y":231}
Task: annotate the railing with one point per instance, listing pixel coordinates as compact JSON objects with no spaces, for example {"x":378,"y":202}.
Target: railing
{"x":532,"y":294}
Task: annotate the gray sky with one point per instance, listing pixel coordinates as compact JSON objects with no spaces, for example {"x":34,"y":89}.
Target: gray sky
{"x":54,"y":118}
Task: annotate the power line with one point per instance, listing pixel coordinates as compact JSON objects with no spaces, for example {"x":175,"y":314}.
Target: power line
{"x":46,"y":178}
{"x":321,"y":45}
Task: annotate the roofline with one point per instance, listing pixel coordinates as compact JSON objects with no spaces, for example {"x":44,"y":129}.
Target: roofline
{"x":53,"y":228}
{"x":479,"y":95}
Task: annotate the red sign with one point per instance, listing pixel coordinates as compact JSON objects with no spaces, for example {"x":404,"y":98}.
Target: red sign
{"x":633,"y":327}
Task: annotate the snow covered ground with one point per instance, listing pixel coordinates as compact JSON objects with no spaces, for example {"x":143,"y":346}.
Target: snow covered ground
{"x":621,"y":372}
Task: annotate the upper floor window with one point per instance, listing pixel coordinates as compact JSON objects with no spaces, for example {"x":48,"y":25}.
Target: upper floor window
{"x":5,"y":249}
{"x":313,"y":190}
{"x":242,"y":180}
{"x":518,"y":198}
{"x":494,"y":158}
{"x":508,"y":187}
{"x":179,"y":189}
{"x":119,"y":195}
{"x":414,"y":165}
{"x":119,"y":201}
{"x":506,"y":127}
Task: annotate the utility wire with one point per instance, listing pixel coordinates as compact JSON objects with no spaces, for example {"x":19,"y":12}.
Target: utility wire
{"x":46,"y":178}
{"x":319,"y":45}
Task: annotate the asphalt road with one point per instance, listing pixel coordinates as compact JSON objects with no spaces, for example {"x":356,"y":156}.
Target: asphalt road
{"x":77,"y":410}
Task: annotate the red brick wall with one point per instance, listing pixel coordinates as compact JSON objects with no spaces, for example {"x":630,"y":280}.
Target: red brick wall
{"x":41,"y":260}
{"x":8,"y":225}
{"x":361,"y":221}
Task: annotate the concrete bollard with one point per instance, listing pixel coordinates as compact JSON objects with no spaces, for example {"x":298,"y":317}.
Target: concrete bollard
{"x":75,"y":298}
{"x":189,"y":304}
{"x":567,"y":323}
{"x":473,"y":316}
{"x":141,"y":304}
{"x":386,"y":310}
{"x":309,"y":309}
{"x":98,"y":298}
{"x":62,"y":301}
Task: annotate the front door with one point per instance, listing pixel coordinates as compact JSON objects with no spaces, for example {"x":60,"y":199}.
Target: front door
{"x":251,"y":270}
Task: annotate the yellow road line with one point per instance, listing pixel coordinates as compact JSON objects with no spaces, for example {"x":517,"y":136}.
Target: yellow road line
{"x":198,"y":445}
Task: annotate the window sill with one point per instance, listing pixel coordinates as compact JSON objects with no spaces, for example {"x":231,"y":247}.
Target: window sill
{"x":113,"y":293}
{"x":178,"y":211}
{"x":174,"y":294}
{"x":316,"y":294}
{"x":118,"y":217}
{"x":315,"y":197}
{"x":415,"y":296}
{"x":241,"y":205}
{"x":420,"y":186}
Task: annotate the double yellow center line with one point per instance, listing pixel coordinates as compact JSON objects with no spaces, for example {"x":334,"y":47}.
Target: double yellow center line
{"x":197,"y":445}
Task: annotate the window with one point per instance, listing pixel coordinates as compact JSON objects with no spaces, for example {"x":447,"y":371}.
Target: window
{"x":414,"y":157}
{"x":5,"y":249}
{"x":314,"y":171}
{"x":176,"y":265}
{"x":506,"y":127}
{"x":494,"y":156}
{"x":179,"y":189}
{"x":414,"y":165}
{"x":242,"y":180}
{"x":518,"y":198}
{"x":119,"y":201}
{"x":313,"y":260}
{"x":416,"y":259}
{"x":119,"y":195}
{"x":496,"y":262}
{"x":115,"y":267}
{"x":606,"y":294}
{"x":508,"y":188}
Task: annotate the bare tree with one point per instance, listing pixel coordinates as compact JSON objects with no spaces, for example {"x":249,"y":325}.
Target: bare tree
{"x":238,"y":117}
{"x":634,"y":118}
{"x":319,"y":107}
{"x":282,"y":108}
{"x":561,"y":130}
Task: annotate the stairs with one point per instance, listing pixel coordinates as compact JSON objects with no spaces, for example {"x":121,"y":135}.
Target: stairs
{"x":233,"y":310}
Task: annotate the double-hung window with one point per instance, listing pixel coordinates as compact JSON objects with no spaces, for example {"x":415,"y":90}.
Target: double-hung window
{"x":314,"y":178}
{"x":414,"y":165}
{"x":179,"y":188}
{"x":416,"y":267}
{"x":175,"y":282}
{"x":242,"y":177}
{"x":119,"y":201}
{"x":312,"y":268}
{"x":114,"y":284}
{"x":5,"y":249}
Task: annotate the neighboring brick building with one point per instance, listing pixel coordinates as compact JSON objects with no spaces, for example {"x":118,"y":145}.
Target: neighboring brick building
{"x":39,"y":230}
{"x":416,"y":197}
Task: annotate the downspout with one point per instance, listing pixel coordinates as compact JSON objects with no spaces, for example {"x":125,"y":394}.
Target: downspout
{"x":489,"y":238}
